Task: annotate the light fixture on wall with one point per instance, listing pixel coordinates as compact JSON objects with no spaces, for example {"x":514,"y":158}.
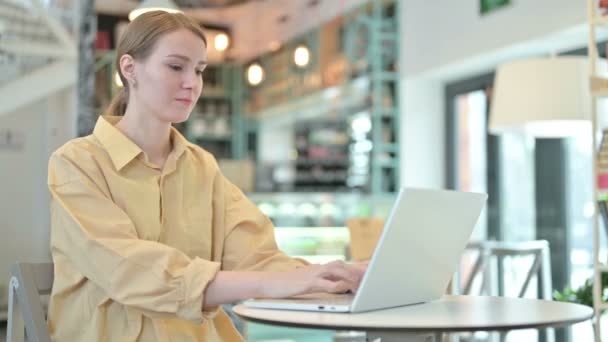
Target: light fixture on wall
{"x":221,"y":41}
{"x":301,"y":56}
{"x":543,"y":97}
{"x":154,"y":5}
{"x":255,"y":74}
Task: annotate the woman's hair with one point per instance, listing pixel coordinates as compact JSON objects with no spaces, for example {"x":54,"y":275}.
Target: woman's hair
{"x":139,"y":40}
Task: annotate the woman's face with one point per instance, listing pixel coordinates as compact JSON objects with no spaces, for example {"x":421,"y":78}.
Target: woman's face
{"x":169,"y":81}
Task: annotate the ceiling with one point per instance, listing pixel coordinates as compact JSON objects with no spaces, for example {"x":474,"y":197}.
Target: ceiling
{"x":257,"y":26}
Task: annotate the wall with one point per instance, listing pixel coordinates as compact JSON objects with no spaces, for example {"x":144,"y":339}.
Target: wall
{"x":24,"y":204}
{"x":445,"y":40}
{"x":422,"y":138}
{"x":445,"y":31}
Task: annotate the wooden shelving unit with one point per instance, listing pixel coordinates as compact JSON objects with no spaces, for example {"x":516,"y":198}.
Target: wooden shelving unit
{"x":599,"y":89}
{"x":216,"y":122}
{"x":353,"y":73}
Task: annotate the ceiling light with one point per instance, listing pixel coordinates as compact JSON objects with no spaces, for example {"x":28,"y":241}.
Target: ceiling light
{"x":221,"y":41}
{"x":301,"y":56}
{"x":255,"y":74}
{"x":154,"y":5}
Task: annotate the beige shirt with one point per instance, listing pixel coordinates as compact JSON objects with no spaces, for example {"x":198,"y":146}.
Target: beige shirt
{"x":135,"y":246}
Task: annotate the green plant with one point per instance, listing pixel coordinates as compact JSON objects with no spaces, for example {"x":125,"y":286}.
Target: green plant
{"x":583,"y":294}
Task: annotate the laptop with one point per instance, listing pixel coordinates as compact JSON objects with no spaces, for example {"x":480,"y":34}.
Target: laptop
{"x":418,"y":251}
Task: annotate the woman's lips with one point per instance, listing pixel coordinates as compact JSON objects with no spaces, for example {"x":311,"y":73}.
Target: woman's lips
{"x":185,"y":101}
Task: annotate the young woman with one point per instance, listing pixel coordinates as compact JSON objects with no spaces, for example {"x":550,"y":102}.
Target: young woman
{"x":148,"y":237}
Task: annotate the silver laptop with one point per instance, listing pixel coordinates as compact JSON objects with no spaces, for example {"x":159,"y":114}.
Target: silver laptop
{"x":419,"y":250}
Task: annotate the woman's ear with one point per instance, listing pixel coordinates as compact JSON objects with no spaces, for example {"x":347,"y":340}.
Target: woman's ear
{"x":127,"y":68}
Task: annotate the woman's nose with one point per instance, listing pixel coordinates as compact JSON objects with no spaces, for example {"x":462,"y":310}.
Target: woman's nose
{"x":192,"y":80}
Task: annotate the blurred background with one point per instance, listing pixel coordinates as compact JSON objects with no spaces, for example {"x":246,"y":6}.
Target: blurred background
{"x":320,"y":110}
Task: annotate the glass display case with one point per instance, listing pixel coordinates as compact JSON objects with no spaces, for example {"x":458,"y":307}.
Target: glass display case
{"x":312,"y":226}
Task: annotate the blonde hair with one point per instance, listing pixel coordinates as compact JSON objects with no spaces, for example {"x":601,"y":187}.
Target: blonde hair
{"x":139,"y":40}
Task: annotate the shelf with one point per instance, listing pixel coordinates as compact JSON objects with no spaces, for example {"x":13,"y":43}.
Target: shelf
{"x":386,"y":76}
{"x":388,"y":36}
{"x":599,"y":86}
{"x":213,"y":96}
{"x":322,"y":162}
{"x":218,"y":138}
{"x":386,"y":113}
{"x":359,"y":82}
{"x":313,"y":106}
{"x":311,"y":180}
{"x":386,"y":164}
{"x":388,"y":147}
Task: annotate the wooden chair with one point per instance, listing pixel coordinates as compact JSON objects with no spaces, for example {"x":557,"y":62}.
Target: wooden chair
{"x":364,"y":235}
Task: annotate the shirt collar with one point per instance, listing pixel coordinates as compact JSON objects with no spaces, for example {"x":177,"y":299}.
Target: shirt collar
{"x":123,"y":150}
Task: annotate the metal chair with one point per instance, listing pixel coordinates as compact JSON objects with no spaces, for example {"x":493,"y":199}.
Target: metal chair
{"x":489,"y":261}
{"x":26,"y":315}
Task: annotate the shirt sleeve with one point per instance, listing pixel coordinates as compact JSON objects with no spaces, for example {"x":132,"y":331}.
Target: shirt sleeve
{"x":100,"y":241}
{"x":250,"y":243}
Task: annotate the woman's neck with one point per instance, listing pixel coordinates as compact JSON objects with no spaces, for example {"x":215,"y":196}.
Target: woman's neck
{"x":151,"y":135}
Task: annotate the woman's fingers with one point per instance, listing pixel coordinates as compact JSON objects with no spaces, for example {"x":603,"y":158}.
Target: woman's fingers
{"x":339,"y":271}
{"x":330,"y":286}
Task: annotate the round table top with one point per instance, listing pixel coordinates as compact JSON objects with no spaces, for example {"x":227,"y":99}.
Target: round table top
{"x":450,"y":313}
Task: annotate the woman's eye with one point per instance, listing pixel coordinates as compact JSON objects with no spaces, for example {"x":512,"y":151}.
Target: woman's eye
{"x":175,"y":67}
{"x":199,"y":72}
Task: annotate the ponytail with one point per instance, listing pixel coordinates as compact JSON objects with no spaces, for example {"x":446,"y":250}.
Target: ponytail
{"x":118,"y":105}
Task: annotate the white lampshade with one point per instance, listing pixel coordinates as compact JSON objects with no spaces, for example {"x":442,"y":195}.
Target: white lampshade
{"x":544,"y":97}
{"x":154,"y":5}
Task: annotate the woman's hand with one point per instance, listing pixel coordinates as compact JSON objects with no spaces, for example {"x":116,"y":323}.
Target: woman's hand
{"x":233,"y":286}
{"x":333,"y":277}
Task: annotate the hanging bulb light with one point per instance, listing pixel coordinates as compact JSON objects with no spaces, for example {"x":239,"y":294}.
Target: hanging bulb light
{"x":154,"y":5}
{"x":255,"y":74}
{"x":221,"y":41}
{"x":301,"y":56}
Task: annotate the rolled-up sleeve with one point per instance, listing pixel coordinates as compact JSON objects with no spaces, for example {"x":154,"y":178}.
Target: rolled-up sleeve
{"x":250,"y":242}
{"x":100,"y":241}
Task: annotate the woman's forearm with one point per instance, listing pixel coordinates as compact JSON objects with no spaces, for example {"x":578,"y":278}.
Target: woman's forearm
{"x":233,"y":286}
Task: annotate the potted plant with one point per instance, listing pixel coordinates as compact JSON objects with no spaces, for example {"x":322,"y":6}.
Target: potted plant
{"x":583,"y":294}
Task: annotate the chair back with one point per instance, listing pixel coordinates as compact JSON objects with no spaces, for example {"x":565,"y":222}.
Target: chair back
{"x":364,"y":236}
{"x":26,"y":315}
